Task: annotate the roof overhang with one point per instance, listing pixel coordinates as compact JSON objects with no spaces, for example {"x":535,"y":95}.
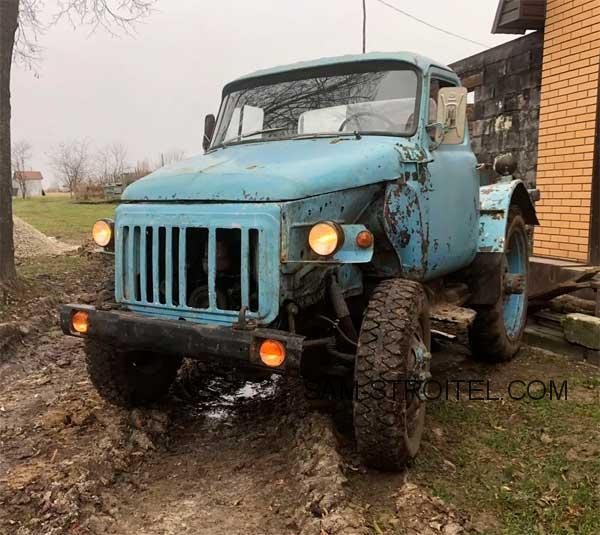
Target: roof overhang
{"x":518,"y":16}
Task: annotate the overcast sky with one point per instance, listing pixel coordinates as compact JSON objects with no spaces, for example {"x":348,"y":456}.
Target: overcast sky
{"x":151,"y":92}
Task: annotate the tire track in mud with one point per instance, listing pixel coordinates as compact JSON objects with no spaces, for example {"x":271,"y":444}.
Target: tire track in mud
{"x":62,"y":447}
{"x":246,"y":458}
{"x":320,"y":468}
{"x":215,"y":457}
{"x":226,"y":468}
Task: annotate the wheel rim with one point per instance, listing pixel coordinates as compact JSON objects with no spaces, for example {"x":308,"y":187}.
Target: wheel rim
{"x":514,"y":304}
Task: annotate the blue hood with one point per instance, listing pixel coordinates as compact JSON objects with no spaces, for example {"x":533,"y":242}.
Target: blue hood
{"x":278,"y":170}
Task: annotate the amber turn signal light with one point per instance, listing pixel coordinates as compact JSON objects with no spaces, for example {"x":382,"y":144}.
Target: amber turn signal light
{"x":364,"y":239}
{"x":80,"y":322}
{"x":272,"y":353}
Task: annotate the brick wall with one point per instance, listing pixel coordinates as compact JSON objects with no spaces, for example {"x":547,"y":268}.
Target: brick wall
{"x":567,"y":128}
{"x":506,"y":81}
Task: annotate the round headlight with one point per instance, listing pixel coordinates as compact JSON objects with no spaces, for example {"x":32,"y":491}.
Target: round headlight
{"x":325,"y":238}
{"x":103,"y":232}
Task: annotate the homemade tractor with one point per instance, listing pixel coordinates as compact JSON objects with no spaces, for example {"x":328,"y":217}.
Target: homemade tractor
{"x":338,"y":206}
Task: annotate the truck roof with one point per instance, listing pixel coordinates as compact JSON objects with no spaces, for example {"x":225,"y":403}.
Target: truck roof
{"x":419,"y":61}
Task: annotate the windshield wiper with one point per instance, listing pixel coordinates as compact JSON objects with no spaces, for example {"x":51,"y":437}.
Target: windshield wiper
{"x":254,"y":133}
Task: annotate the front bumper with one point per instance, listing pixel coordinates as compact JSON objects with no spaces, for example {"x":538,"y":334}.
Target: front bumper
{"x":132,"y":331}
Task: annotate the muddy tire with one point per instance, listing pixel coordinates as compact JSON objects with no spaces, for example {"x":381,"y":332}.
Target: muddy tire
{"x":392,"y":357}
{"x":129,"y":379}
{"x":497,"y":331}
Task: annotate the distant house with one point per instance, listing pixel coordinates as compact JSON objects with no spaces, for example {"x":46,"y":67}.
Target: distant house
{"x":27,"y":184}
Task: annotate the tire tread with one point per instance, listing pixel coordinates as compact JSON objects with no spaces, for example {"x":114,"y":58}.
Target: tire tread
{"x":389,"y":323}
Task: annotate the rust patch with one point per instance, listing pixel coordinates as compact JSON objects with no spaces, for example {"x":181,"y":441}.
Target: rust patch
{"x":422,"y":174}
{"x":404,"y":238}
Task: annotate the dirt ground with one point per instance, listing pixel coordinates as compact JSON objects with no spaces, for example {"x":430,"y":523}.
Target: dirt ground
{"x":222,"y":456}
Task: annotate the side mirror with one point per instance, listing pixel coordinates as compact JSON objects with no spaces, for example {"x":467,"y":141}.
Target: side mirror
{"x":209,"y":129}
{"x":452,"y":113}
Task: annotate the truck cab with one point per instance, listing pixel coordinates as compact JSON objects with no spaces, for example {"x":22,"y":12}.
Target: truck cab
{"x":336,"y":204}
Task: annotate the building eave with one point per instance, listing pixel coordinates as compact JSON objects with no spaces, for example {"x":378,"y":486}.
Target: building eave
{"x":518,"y":16}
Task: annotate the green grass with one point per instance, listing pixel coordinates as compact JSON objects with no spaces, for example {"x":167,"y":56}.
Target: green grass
{"x":60,"y":217}
{"x":534,"y":466}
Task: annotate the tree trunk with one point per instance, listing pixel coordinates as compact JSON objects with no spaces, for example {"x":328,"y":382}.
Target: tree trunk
{"x":9,"y":11}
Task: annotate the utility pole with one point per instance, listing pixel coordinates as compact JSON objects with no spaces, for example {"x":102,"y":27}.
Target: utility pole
{"x":364,"y":32}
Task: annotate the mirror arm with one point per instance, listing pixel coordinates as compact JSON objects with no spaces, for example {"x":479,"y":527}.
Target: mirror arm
{"x":209,"y":131}
{"x":438,"y":126}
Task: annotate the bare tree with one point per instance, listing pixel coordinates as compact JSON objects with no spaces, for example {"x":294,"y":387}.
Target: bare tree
{"x":9,"y":13}
{"x":27,"y":49}
{"x":71,"y":161}
{"x":21,"y":154}
{"x":111,"y":163}
{"x":144,"y":166}
{"x":172,"y":156}
{"x":20,"y":22}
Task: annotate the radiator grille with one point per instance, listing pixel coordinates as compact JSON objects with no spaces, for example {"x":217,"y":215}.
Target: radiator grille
{"x":198,"y":268}
{"x":199,"y":262}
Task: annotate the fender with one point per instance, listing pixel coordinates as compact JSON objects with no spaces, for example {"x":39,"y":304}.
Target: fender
{"x":495,"y":202}
{"x":406,"y":227}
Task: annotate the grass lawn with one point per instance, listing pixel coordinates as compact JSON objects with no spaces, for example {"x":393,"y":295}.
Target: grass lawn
{"x":521,"y":467}
{"x":502,"y":466}
{"x":60,"y":217}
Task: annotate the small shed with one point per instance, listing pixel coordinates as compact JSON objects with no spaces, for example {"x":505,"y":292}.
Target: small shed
{"x":27,"y":184}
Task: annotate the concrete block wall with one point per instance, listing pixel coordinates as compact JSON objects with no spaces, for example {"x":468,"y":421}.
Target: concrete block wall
{"x":506,"y":81}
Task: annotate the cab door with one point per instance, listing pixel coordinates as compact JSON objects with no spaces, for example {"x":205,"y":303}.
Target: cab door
{"x":453,"y":195}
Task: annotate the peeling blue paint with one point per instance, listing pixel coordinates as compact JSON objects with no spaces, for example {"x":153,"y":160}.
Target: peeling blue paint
{"x":278,"y":170}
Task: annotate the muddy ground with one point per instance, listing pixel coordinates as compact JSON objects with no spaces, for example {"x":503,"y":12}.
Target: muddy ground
{"x":222,"y":456}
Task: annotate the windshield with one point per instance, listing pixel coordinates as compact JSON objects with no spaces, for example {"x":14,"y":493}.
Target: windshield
{"x":378,"y":102}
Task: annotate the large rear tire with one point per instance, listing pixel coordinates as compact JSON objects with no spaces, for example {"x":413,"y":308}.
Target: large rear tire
{"x":497,"y":331}
{"x":392,"y":361}
{"x":129,"y":378}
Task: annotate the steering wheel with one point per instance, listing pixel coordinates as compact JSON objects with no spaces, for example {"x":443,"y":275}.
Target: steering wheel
{"x":355,"y":116}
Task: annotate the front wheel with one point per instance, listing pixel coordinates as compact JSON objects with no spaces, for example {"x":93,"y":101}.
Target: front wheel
{"x":392,"y":365}
{"x":497,"y":330}
{"x":129,"y":378}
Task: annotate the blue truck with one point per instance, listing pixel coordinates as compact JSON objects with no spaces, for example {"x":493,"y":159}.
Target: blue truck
{"x":337,"y":204}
